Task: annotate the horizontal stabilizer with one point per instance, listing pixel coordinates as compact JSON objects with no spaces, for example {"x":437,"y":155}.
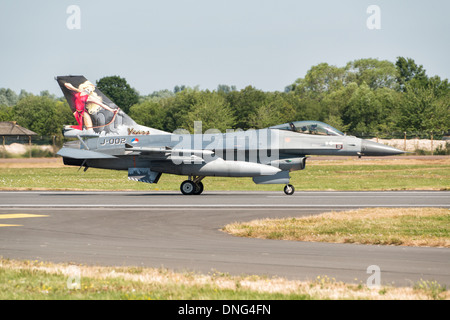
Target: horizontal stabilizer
{"x":83,"y":154}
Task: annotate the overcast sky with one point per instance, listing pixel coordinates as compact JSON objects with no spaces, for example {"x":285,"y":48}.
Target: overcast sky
{"x":159,"y":44}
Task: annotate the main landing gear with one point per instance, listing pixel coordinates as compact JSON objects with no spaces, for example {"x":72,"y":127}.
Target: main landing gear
{"x":192,"y":186}
{"x":289,"y":189}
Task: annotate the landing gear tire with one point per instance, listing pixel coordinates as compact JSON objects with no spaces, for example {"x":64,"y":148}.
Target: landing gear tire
{"x":289,"y":189}
{"x":198,"y":188}
{"x":188,"y":187}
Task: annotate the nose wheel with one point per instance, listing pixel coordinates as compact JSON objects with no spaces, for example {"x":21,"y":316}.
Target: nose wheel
{"x":289,"y":189}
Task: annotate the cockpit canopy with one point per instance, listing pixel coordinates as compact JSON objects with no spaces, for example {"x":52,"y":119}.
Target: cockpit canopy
{"x":309,"y":127}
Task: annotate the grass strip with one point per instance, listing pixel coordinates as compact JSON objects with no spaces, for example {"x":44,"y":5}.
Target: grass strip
{"x":319,"y":175}
{"x":377,"y":226}
{"x":28,"y":280}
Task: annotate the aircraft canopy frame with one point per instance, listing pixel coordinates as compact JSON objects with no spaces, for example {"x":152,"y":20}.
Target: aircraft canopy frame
{"x":310,"y":127}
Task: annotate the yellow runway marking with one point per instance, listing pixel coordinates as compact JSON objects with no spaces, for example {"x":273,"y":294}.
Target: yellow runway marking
{"x":18,"y":216}
{"x":21,"y":215}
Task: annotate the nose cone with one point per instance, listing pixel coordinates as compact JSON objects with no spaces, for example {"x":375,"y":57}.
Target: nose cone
{"x":370,"y":148}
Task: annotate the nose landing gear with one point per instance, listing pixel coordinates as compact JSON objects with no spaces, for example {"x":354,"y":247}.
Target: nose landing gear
{"x":289,"y":189}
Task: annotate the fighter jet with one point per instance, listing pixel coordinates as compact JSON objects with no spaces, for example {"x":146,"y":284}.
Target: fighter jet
{"x":107,"y":138}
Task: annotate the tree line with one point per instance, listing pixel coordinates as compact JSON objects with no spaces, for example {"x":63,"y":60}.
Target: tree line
{"x":365,"y":95}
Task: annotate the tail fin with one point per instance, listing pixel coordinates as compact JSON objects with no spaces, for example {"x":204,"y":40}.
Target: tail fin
{"x":95,"y":113}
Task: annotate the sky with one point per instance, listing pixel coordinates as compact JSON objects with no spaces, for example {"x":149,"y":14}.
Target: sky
{"x":157,"y":45}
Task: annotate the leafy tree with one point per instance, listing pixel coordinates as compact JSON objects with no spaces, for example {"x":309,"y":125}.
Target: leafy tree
{"x":320,"y":79}
{"x":23,"y":94}
{"x":425,"y":108}
{"x":225,"y":89}
{"x":244,"y":103}
{"x":408,"y":70}
{"x":178,"y":107}
{"x":375,"y":73}
{"x":307,"y":108}
{"x":8,"y":97}
{"x":335,"y":104}
{"x":277,"y":109}
{"x":4,"y":101}
{"x":38,"y":114}
{"x":213,"y":111}
{"x":6,"y":113}
{"x":364,"y":110}
{"x":148,"y":113}
{"x":157,"y":96}
{"x":46,"y":93}
{"x":177,"y":89}
{"x":390,"y":101}
{"x":119,"y":91}
{"x":309,"y":94}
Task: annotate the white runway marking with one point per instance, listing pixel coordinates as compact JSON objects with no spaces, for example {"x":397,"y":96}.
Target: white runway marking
{"x":215,"y":206}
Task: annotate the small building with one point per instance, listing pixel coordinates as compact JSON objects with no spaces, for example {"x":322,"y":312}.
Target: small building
{"x":12,"y":129}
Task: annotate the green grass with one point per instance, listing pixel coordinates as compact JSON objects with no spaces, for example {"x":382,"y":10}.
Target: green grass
{"x":382,"y":176}
{"x":35,"y":284}
{"x":379,"y":226}
{"x":29,"y":280}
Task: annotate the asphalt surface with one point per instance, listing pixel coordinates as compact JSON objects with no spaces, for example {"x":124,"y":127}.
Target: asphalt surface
{"x":179,"y":232}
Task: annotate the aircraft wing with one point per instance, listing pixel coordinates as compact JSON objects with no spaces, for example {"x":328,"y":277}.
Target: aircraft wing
{"x":83,"y":154}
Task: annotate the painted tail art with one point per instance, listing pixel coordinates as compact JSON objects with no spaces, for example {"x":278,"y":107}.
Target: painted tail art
{"x":95,"y":113}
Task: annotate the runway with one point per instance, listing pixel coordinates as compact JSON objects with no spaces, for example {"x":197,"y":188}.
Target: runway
{"x":179,"y":232}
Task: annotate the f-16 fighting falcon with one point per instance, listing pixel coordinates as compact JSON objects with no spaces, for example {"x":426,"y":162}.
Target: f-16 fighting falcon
{"x":109,"y":139}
